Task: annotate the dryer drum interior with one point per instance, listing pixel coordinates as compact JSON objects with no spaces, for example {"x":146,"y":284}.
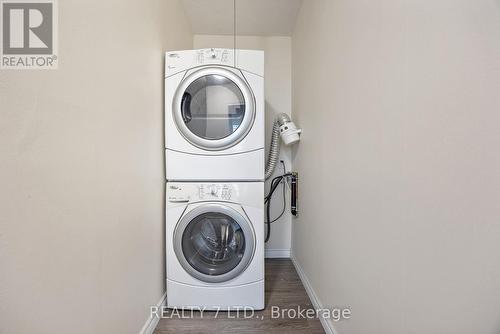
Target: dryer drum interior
{"x":214,"y":108}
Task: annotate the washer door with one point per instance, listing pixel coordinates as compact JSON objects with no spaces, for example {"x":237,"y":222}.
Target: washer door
{"x":213,"y":108}
{"x":214,"y":243}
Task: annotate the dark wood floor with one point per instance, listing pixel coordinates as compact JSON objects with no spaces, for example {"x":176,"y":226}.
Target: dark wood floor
{"x":283,"y":289}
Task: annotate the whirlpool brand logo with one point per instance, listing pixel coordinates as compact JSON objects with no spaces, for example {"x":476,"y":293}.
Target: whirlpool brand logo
{"x":29,"y":34}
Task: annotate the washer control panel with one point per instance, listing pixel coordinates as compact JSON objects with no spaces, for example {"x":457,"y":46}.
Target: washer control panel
{"x":193,"y":192}
{"x":176,"y":194}
{"x":215,"y":191}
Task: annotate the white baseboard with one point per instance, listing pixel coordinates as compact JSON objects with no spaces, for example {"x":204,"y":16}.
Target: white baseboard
{"x":150,"y":325}
{"x":326,"y":323}
{"x":277,"y":253}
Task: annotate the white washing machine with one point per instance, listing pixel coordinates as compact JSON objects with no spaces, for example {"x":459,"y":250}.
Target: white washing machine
{"x":214,"y":115}
{"x":215,"y":245}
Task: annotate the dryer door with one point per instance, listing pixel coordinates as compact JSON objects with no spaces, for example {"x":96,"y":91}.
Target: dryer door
{"x":214,"y":243}
{"x":214,"y":108}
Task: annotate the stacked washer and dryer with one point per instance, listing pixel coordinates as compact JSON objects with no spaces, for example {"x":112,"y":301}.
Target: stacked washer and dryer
{"x":214,"y":138}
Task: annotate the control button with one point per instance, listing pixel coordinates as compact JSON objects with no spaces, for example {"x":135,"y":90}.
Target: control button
{"x":213,"y":190}
{"x":201,"y":57}
{"x":226,"y":192}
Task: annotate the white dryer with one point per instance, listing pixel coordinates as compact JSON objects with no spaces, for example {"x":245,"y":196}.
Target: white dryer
{"x":214,"y":115}
{"x":215,"y":245}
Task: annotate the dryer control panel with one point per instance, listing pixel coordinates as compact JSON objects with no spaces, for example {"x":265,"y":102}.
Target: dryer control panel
{"x":213,"y":56}
{"x":177,"y":61}
{"x":183,"y":60}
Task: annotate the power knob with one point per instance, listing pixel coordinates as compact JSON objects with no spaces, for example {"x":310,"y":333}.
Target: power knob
{"x":213,"y":190}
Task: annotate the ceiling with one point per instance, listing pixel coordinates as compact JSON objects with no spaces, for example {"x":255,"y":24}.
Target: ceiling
{"x":253,"y":17}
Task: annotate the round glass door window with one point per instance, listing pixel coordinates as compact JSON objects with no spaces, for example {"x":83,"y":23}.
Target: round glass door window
{"x":214,"y":243}
{"x":214,"y":108}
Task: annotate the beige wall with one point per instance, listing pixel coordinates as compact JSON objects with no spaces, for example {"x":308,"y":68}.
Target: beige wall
{"x":399,"y":163}
{"x":278,"y":70}
{"x":82,"y":181}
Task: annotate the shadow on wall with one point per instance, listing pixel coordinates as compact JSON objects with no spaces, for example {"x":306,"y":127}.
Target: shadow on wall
{"x":164,"y":177}
{"x":270,"y":115}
